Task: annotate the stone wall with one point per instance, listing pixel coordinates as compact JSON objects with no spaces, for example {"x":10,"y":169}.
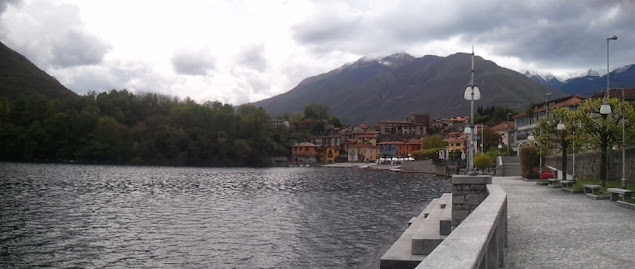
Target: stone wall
{"x":425,"y":166}
{"x":467,"y":193}
{"x":588,"y":164}
{"x":481,"y":239}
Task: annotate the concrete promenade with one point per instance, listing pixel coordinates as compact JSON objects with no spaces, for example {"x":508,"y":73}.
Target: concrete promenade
{"x":549,"y":228}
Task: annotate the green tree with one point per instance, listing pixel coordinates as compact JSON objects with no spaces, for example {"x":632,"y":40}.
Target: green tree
{"x":603,"y":131}
{"x":316,"y":112}
{"x":550,"y":138}
{"x":433,"y":142}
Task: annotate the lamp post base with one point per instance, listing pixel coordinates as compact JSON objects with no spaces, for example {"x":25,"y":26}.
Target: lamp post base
{"x":623,"y":183}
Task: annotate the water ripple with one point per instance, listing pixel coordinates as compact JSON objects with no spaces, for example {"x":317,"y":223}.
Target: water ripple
{"x":91,"y":216}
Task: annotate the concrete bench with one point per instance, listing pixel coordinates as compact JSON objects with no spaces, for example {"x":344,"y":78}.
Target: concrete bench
{"x":617,"y":193}
{"x":445,"y":199}
{"x":553,"y":182}
{"x":428,"y":236}
{"x":426,"y":211}
{"x":593,"y":189}
{"x":566,"y":183}
{"x":445,"y":223}
{"x":400,"y":254}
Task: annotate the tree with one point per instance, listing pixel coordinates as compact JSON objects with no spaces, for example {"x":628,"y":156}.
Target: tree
{"x":433,"y":142}
{"x":550,"y":138}
{"x":489,"y":138}
{"x":604,"y":130}
{"x":316,"y":112}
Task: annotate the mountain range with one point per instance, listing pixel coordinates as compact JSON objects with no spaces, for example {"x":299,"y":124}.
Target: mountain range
{"x":589,"y":83}
{"x":369,"y":90}
{"x":390,"y":88}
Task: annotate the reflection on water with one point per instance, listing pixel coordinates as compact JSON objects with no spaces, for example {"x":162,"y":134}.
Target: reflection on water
{"x":117,"y":216}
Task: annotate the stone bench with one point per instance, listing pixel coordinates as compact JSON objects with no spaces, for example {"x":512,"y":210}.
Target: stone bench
{"x":426,"y":210}
{"x":428,"y":236}
{"x":400,"y":255}
{"x":553,"y":182}
{"x":445,"y":223}
{"x":593,"y":189}
{"x":617,"y":193}
{"x":566,"y":183}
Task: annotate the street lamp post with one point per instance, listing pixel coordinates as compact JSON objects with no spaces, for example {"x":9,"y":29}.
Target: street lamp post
{"x":471,"y":94}
{"x":605,"y":109}
{"x":560,"y":127}
{"x":509,"y":144}
{"x":623,"y":118}
{"x":532,"y":139}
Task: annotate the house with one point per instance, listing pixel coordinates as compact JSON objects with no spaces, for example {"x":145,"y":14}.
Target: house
{"x":526,"y":122}
{"x":506,"y":131}
{"x":367,"y":137}
{"x":324,"y":141}
{"x":304,"y":152}
{"x":453,"y":123}
{"x":423,"y":119}
{"x":278,"y":123}
{"x":406,"y":148}
{"x":362,"y":153}
{"x":388,"y":149}
{"x":441,"y":124}
{"x":457,"y":142}
{"x":391,"y":127}
{"x":330,"y":154}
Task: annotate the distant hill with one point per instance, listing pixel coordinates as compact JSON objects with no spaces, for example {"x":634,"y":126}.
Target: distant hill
{"x":589,"y":83}
{"x":390,"y":88}
{"x":18,"y":76}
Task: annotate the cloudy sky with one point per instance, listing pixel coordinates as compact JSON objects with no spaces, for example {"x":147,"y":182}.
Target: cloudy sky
{"x":237,"y":51}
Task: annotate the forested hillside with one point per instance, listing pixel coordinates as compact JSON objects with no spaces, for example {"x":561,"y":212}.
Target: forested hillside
{"x":20,"y":77}
{"x":119,"y":127}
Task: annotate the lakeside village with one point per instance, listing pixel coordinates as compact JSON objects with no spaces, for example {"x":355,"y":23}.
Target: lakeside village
{"x":393,"y":142}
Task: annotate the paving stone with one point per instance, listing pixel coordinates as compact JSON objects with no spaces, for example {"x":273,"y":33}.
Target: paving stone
{"x":549,"y":229}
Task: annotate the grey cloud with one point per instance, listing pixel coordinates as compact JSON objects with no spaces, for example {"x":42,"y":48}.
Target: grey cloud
{"x":254,"y":57}
{"x":52,"y":35}
{"x":194,"y":63}
{"x":568,"y":34}
{"x":77,"y":48}
{"x":115,"y":75}
{"x":5,"y":3}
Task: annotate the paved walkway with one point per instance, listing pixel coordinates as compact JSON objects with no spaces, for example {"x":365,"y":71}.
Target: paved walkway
{"x":549,"y":228}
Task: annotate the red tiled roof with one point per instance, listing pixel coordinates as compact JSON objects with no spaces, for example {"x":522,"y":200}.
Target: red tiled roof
{"x":503,"y":126}
{"x":562,"y":102}
{"x":617,"y":93}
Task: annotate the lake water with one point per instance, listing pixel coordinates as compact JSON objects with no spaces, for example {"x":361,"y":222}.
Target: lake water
{"x":91,"y":216}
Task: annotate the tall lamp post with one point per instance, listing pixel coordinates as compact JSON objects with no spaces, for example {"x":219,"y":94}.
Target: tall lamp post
{"x":509,"y":144}
{"x":532,"y":139}
{"x":605,"y":109}
{"x":471,"y":94}
{"x":561,"y":127}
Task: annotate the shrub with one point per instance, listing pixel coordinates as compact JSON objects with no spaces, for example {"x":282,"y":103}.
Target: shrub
{"x":426,"y":154}
{"x":483,"y":161}
{"x":529,"y":161}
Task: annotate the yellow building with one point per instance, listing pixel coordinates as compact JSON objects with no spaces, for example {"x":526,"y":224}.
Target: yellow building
{"x":330,"y":154}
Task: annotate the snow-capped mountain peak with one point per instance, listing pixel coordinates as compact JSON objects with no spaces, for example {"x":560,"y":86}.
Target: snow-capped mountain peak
{"x":623,"y":68}
{"x":541,"y":76}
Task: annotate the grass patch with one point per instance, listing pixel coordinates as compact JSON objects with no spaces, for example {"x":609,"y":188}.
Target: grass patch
{"x":579,"y":185}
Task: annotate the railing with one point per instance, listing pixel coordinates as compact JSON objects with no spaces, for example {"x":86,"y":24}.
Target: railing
{"x":479,"y":241}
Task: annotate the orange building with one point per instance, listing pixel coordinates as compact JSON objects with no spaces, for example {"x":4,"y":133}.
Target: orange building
{"x":405,"y":148}
{"x":304,"y":152}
